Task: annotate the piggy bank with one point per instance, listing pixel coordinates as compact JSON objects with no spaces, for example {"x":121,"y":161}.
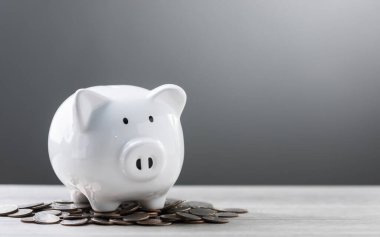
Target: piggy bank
{"x":109,"y":144}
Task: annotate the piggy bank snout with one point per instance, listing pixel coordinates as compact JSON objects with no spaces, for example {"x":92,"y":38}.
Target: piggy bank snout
{"x":142,"y":159}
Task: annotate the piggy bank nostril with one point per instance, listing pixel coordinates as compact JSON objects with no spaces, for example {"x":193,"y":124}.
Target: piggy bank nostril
{"x":150,"y":162}
{"x":138,"y":163}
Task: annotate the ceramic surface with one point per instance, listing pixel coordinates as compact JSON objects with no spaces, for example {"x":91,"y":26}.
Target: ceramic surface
{"x":110,"y":144}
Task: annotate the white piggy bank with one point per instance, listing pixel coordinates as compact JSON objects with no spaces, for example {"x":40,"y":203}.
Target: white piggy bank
{"x":110,"y":144}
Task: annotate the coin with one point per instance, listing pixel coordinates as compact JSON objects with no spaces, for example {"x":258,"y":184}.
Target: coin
{"x":153,"y":222}
{"x":65,"y":213}
{"x":170,"y":217}
{"x":128,"y":213}
{"x":46,"y":218}
{"x":138,"y":216}
{"x":202,"y":211}
{"x":73,"y":217}
{"x":129,"y":204}
{"x":129,"y":207}
{"x":149,"y":210}
{"x":63,"y":202}
{"x":236,"y":210}
{"x":215,"y":219}
{"x":100,"y":221}
{"x":194,"y":222}
{"x":114,"y":215}
{"x":188,"y":216}
{"x":42,"y":206}
{"x":226,"y":214}
{"x":7,"y":209}
{"x":30,"y":205}
{"x":76,"y":222}
{"x":21,"y":213}
{"x":63,"y":207}
{"x":53,"y":212}
{"x":120,"y":222}
{"x":75,"y":211}
{"x":29,"y":219}
{"x":68,"y":216}
{"x":196,"y":204}
{"x":152,"y":213}
{"x":171,"y":203}
{"x":178,"y":209}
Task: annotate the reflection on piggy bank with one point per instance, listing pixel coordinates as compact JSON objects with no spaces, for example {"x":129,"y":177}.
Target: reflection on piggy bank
{"x":110,"y":144}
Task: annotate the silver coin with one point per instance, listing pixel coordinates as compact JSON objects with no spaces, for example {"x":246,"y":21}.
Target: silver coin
{"x":21,"y":213}
{"x":129,"y":207}
{"x":170,"y":217}
{"x":236,"y":210}
{"x":129,"y":204}
{"x":202,"y":211}
{"x":7,"y":209}
{"x":30,"y":205}
{"x":75,"y":217}
{"x":178,"y":209}
{"x":215,"y":219}
{"x":42,"y":206}
{"x":120,"y":222}
{"x":53,"y":212}
{"x":27,"y":219}
{"x":153,"y":222}
{"x":63,"y":202}
{"x":64,"y":207}
{"x":226,"y":214}
{"x":75,"y":211}
{"x":46,"y":218}
{"x":188,"y":216}
{"x":76,"y":222}
{"x":65,"y":213}
{"x":137,"y":216}
{"x":100,"y":221}
{"x":128,"y":213}
{"x":114,"y":215}
{"x":194,"y":222}
{"x":152,"y":213}
{"x":171,"y":203}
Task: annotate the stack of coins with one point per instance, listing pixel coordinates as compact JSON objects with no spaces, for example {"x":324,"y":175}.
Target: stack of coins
{"x":129,"y":213}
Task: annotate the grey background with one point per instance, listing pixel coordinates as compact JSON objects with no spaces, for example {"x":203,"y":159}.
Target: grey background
{"x":279,"y":92}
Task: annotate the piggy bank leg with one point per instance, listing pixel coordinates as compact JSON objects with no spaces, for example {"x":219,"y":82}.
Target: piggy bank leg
{"x":97,"y":203}
{"x":103,"y":204}
{"x":78,"y":197}
{"x":154,"y":203}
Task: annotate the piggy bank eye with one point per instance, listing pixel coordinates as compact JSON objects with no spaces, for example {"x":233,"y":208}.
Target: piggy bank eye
{"x":151,"y":119}
{"x":125,"y":120}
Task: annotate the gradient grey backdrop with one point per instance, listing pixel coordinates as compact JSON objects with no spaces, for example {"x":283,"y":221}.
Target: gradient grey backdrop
{"x":279,"y":92}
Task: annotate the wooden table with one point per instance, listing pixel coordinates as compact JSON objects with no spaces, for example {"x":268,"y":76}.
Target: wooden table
{"x":273,"y":211}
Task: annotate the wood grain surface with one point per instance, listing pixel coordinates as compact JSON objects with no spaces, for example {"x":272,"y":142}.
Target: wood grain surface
{"x":273,"y":211}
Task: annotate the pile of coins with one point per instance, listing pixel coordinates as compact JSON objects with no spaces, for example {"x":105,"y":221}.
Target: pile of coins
{"x":129,"y":213}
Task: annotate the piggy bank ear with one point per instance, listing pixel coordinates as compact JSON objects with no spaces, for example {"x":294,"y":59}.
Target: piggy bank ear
{"x":170,"y":94}
{"x":86,"y":103}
